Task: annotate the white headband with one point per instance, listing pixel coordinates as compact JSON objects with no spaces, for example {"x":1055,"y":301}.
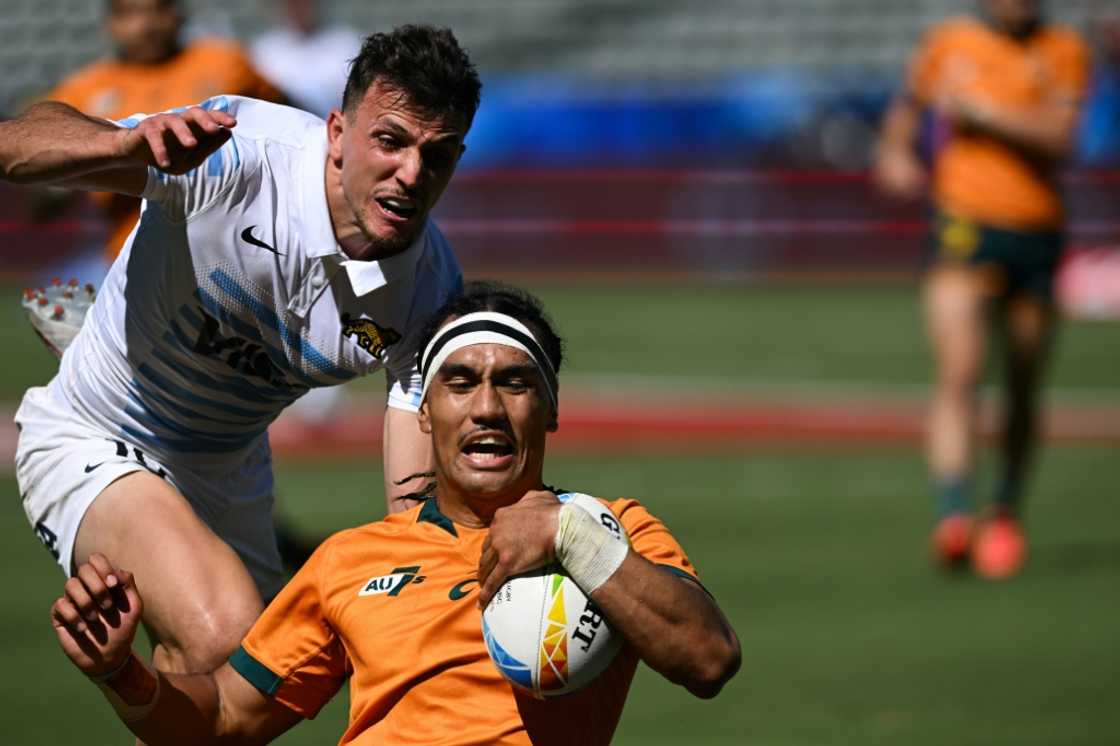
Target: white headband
{"x":485,"y":327}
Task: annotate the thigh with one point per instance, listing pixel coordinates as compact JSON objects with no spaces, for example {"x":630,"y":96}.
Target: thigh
{"x":955,"y":298}
{"x":199,"y":599}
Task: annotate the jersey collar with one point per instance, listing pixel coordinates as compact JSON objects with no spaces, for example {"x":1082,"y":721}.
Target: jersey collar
{"x":319,"y":241}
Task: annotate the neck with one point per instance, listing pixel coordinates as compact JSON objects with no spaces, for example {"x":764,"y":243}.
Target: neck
{"x":474,"y":511}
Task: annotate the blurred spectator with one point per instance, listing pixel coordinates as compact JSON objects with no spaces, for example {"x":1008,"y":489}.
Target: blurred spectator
{"x":151,"y":71}
{"x":1006,"y":88}
{"x":304,"y":59}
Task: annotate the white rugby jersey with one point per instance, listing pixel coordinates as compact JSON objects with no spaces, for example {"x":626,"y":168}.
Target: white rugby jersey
{"x":231,"y":298}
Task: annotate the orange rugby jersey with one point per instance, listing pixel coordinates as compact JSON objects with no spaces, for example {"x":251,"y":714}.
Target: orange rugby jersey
{"x":393,"y":605}
{"x":111,"y":89}
{"x":979,"y":177}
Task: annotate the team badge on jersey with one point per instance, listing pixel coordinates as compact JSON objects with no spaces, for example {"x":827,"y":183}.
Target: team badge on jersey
{"x":368,"y":335}
{"x":393,"y":583}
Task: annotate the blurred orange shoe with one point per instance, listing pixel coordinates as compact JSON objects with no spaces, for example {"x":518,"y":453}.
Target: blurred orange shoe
{"x":951,"y":540}
{"x":1000,"y":549}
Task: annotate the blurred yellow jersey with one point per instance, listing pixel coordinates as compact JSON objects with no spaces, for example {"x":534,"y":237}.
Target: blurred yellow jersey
{"x":977,"y":176}
{"x":112,"y":89}
{"x":393,"y":606}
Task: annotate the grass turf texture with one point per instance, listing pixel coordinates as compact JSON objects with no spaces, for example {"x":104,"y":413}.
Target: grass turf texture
{"x":818,"y":558}
{"x":869,"y":336}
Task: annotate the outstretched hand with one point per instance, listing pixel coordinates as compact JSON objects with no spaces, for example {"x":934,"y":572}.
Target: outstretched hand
{"x":522,"y":538}
{"x":177,"y":142}
{"x":97,"y":616}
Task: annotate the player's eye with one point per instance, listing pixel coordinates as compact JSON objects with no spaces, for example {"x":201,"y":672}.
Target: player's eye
{"x":388,"y":142}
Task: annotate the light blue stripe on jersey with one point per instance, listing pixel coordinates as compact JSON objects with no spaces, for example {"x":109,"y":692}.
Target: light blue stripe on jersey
{"x":268,"y":317}
{"x":170,"y":445}
{"x":156,"y":422}
{"x":183,"y":394}
{"x":214,"y":162}
{"x":129,"y":123}
{"x":262,"y":394}
{"x":250,"y":332}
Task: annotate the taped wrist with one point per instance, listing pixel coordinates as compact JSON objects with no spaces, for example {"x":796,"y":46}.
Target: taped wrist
{"x":132,"y":690}
{"x":589,"y":552}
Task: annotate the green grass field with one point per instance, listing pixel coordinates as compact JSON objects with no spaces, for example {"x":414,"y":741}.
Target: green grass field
{"x":817,"y":554}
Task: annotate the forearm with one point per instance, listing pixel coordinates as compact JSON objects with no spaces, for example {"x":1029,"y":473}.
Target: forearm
{"x":163,"y":708}
{"x":899,"y":132}
{"x":409,"y":467}
{"x":674,"y":626}
{"x":1046,"y":131}
{"x":53,"y":142}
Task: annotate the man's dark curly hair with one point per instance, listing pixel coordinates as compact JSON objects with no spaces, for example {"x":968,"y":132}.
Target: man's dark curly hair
{"x":499,"y":298}
{"x":423,"y":62}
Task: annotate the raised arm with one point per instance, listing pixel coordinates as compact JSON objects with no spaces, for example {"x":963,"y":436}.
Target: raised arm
{"x":672,"y":623}
{"x":96,"y":621}
{"x":53,"y":143}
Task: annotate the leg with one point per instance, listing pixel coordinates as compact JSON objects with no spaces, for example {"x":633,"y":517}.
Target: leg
{"x":1029,"y":325}
{"x":956,"y":324}
{"x":198,"y":597}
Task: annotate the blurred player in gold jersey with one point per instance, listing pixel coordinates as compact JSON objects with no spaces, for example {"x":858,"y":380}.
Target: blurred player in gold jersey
{"x":152,"y":71}
{"x":1006,"y":88}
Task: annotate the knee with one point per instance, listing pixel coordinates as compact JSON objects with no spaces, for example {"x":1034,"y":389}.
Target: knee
{"x":205,"y":639}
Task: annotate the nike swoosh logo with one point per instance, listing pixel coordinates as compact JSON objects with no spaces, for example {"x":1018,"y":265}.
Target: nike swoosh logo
{"x":248,"y":237}
{"x":90,"y":467}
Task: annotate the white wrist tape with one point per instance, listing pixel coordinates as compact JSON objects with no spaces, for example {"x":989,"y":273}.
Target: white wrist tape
{"x":589,"y":552}
{"x":129,"y":713}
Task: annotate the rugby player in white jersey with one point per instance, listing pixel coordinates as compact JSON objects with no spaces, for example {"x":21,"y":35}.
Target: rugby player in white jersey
{"x":275,"y":253}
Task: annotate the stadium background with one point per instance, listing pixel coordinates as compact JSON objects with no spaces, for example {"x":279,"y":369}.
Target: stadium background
{"x":685,"y":185}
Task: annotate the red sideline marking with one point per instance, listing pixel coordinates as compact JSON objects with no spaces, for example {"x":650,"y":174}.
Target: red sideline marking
{"x":588,"y":426}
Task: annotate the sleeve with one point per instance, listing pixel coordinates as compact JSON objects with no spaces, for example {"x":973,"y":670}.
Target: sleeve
{"x":186,"y":195}
{"x":292,"y":653}
{"x":925,"y":66}
{"x":651,"y":539}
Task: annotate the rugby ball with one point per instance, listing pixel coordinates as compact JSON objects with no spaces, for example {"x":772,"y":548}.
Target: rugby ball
{"x":544,"y":635}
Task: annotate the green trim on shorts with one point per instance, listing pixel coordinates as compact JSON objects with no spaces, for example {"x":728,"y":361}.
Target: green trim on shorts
{"x":255,"y":672}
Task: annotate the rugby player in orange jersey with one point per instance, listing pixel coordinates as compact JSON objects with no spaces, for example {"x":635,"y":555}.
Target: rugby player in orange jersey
{"x":412,"y":648}
{"x":152,"y":71}
{"x":1006,"y":88}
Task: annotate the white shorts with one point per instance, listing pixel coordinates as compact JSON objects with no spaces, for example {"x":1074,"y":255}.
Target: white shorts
{"x":63,"y":462}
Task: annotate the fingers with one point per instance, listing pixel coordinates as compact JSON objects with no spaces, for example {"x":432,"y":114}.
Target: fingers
{"x":173,"y":137}
{"x":491,"y":574}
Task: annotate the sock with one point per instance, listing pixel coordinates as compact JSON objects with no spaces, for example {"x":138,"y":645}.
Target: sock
{"x":951,"y":496}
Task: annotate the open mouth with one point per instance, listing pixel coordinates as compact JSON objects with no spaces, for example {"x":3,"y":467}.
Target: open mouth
{"x":398,"y":207}
{"x":488,"y":450}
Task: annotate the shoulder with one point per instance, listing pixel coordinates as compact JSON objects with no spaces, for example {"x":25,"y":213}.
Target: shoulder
{"x":1064,"y":39}
{"x":439,"y":258}
{"x":264,"y":120}
{"x":954,"y":30}
{"x":360,"y":538}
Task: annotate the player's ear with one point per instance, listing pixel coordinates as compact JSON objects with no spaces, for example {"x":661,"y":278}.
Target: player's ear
{"x":423,"y":419}
{"x":553,"y":422}
{"x":336,"y":128}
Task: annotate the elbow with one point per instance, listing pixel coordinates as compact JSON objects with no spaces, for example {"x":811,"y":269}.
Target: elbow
{"x":719,"y":662}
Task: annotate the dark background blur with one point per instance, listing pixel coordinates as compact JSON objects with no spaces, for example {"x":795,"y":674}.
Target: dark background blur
{"x":714,"y":138}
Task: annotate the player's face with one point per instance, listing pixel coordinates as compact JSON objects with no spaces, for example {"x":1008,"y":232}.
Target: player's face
{"x":395,"y":161}
{"x":144,"y":31}
{"x":1013,"y":15}
{"x":488,"y":412}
